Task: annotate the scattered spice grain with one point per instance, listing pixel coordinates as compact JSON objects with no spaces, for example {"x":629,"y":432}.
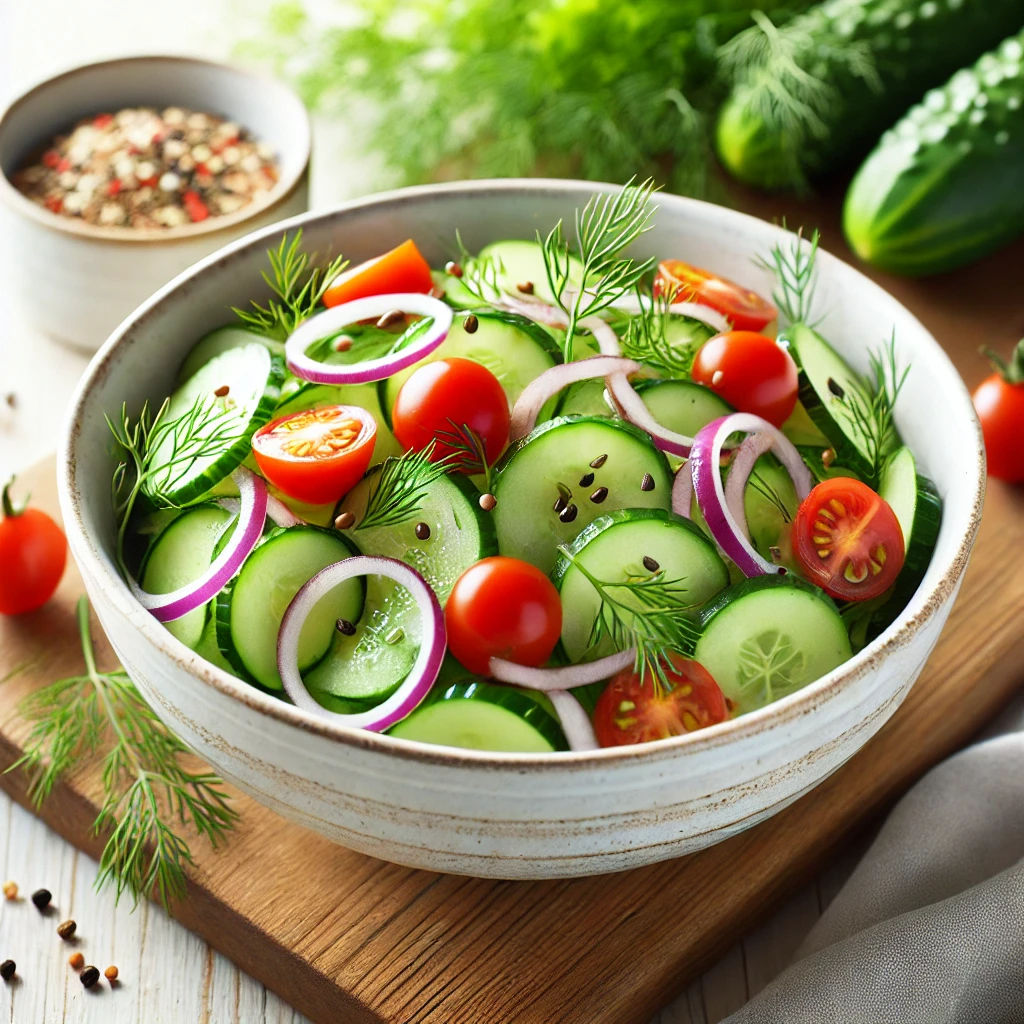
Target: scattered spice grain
{"x":41,"y":898}
{"x":10,"y":890}
{"x":77,"y":961}
{"x":7,"y":969}
{"x":90,"y":976}
{"x":110,"y":973}
{"x":66,"y":930}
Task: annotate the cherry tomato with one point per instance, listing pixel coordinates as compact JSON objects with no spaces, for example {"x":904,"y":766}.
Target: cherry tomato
{"x":446,"y":397}
{"x":502,"y":608}
{"x":746,"y":310}
{"x":999,"y":402}
{"x":33,"y":553}
{"x":316,"y":455}
{"x":402,"y":269}
{"x":751,"y":372}
{"x":848,"y":540}
{"x":631,"y":711}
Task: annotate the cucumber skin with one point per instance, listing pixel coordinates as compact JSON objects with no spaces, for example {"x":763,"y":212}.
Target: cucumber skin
{"x":755,"y":583}
{"x":941,"y":191}
{"x":911,"y":53}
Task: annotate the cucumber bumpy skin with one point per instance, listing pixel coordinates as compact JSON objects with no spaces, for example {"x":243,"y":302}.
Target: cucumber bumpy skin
{"x":910,"y":46}
{"x":943,"y":188}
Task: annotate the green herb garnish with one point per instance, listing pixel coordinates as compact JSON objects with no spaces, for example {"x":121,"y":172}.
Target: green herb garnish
{"x":401,"y":487}
{"x":645,"y":338}
{"x":467,"y":451}
{"x":794,"y":275}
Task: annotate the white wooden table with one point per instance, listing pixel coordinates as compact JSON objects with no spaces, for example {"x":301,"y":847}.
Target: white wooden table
{"x":168,"y":976}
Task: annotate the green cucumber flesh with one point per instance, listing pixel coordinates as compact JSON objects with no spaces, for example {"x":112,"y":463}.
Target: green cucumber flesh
{"x":181,"y":554}
{"x":803,"y":431}
{"x":455,"y":292}
{"x":768,"y":637}
{"x":522,"y":262}
{"x":560,"y":453}
{"x":613,"y":549}
{"x":249,"y":610}
{"x":253,"y":377}
{"x":219,"y":341}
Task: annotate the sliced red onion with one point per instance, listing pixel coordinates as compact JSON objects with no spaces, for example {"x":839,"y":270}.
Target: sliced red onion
{"x":537,"y":310}
{"x":575,"y":721}
{"x":705,"y":465}
{"x":565,"y":677}
{"x":252,"y":513}
{"x":550,"y":382}
{"x":424,"y":669}
{"x":331,"y":320}
{"x":682,"y":491}
{"x":695,"y":310}
{"x":280,"y":514}
{"x":740,"y":468}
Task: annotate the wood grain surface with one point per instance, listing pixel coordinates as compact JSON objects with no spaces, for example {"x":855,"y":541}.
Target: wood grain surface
{"x":346,"y":938}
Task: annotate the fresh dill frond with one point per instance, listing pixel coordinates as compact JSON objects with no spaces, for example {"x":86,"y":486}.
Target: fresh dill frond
{"x":794,"y":275}
{"x":147,"y":789}
{"x":605,"y":228}
{"x":646,"y":611}
{"x":771,"y":495}
{"x":467,"y":452}
{"x":481,"y":275}
{"x":401,"y":488}
{"x":645,"y":338}
{"x":297,"y":288}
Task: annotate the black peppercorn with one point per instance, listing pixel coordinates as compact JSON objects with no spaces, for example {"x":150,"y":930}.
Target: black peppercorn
{"x":41,"y":898}
{"x":7,"y":969}
{"x":90,"y":976}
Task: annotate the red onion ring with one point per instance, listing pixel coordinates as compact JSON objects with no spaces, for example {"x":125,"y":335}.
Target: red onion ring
{"x":550,"y":382}
{"x":424,"y":669}
{"x":252,"y":514}
{"x":565,"y":677}
{"x":705,"y":465}
{"x":740,"y":468}
{"x":682,"y":491}
{"x":575,"y":721}
{"x":333,"y":319}
{"x":277,"y":511}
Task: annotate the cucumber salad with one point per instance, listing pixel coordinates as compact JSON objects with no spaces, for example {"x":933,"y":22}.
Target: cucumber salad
{"x":547,"y":497}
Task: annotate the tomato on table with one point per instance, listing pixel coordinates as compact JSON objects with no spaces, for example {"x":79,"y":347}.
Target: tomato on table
{"x":33,"y":553}
{"x":502,"y":608}
{"x":402,"y":269}
{"x":634,"y":711}
{"x":449,"y":397}
{"x":999,"y":402}
{"x":848,"y":540}
{"x":746,"y":310}
{"x":316,"y":455}
{"x":751,"y":372}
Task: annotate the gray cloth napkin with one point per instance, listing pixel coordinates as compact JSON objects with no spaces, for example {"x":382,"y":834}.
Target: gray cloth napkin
{"x":929,"y":929}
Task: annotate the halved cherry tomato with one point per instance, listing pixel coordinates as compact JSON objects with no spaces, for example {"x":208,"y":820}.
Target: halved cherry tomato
{"x":751,"y":372}
{"x":848,"y":540}
{"x":444,"y":398}
{"x":402,"y":269}
{"x":999,"y":402}
{"x":631,"y":711}
{"x":502,"y":608}
{"x":316,"y":455}
{"x":33,"y":553}
{"x":746,"y":310}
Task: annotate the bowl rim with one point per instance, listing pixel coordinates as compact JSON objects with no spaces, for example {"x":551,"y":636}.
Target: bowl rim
{"x":926,"y":603}
{"x":282,"y":190}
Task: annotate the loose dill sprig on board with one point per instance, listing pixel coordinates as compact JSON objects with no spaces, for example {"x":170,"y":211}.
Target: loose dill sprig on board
{"x":646,"y":340}
{"x":148,"y":792}
{"x":794,"y":275}
{"x":297,"y":288}
{"x":605,"y":227}
{"x":401,"y":487}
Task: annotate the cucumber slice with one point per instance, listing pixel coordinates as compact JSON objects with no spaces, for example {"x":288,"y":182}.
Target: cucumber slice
{"x":522,"y":261}
{"x":249,"y":610}
{"x":253,"y":377}
{"x":368,"y":665}
{"x":181,"y":554}
{"x":614,"y":549}
{"x":768,"y":637}
{"x":482,"y":716}
{"x":585,"y":398}
{"x":560,"y":453}
{"x":209,"y":649}
{"x":219,"y":341}
{"x":513,"y":348}
{"x":455,"y":292}
{"x":770,"y":503}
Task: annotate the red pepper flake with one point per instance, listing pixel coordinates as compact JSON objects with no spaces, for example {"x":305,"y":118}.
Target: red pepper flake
{"x":149,"y":182}
{"x":51,"y":158}
{"x":54,"y":204}
{"x":103,"y":120}
{"x":64,"y":165}
{"x":201,"y":168}
{"x":195,"y":207}
{"x":114,"y":187}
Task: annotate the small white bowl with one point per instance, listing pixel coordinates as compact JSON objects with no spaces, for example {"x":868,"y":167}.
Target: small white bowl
{"x":78,"y":281}
{"x":519,"y":815}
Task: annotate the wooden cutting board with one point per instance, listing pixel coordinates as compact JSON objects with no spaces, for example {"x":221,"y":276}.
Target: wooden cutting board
{"x":346,"y":938}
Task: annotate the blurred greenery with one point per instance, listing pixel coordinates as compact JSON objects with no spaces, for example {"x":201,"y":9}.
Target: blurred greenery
{"x":446,"y":89}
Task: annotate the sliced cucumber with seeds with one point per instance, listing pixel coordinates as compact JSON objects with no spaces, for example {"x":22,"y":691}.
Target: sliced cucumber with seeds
{"x":768,"y":637}
{"x":565,"y":474}
{"x":180,"y":555}
{"x":253,"y":378}
{"x":249,"y":610}
{"x":370,"y":663}
{"x":631,"y":544}
{"x":522,"y":263}
{"x":221,"y":340}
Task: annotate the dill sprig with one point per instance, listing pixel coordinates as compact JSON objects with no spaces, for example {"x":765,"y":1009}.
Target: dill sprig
{"x":467,"y":452}
{"x":147,"y":790}
{"x":771,"y":495}
{"x":646,"y":611}
{"x":401,"y":487}
{"x":481,"y":275}
{"x":794,"y":274}
{"x":646,"y":340}
{"x":298,"y":289}
{"x":605,"y":227}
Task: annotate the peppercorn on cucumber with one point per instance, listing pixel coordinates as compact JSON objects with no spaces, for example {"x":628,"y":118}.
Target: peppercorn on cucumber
{"x":820,"y":89}
{"x":944,"y":186}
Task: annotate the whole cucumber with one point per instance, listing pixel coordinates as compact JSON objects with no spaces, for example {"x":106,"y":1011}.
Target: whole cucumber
{"x":822,"y":88}
{"x":946,"y":185}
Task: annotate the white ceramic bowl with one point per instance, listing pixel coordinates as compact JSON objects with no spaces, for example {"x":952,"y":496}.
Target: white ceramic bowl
{"x":519,"y":815}
{"x":78,"y":281}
